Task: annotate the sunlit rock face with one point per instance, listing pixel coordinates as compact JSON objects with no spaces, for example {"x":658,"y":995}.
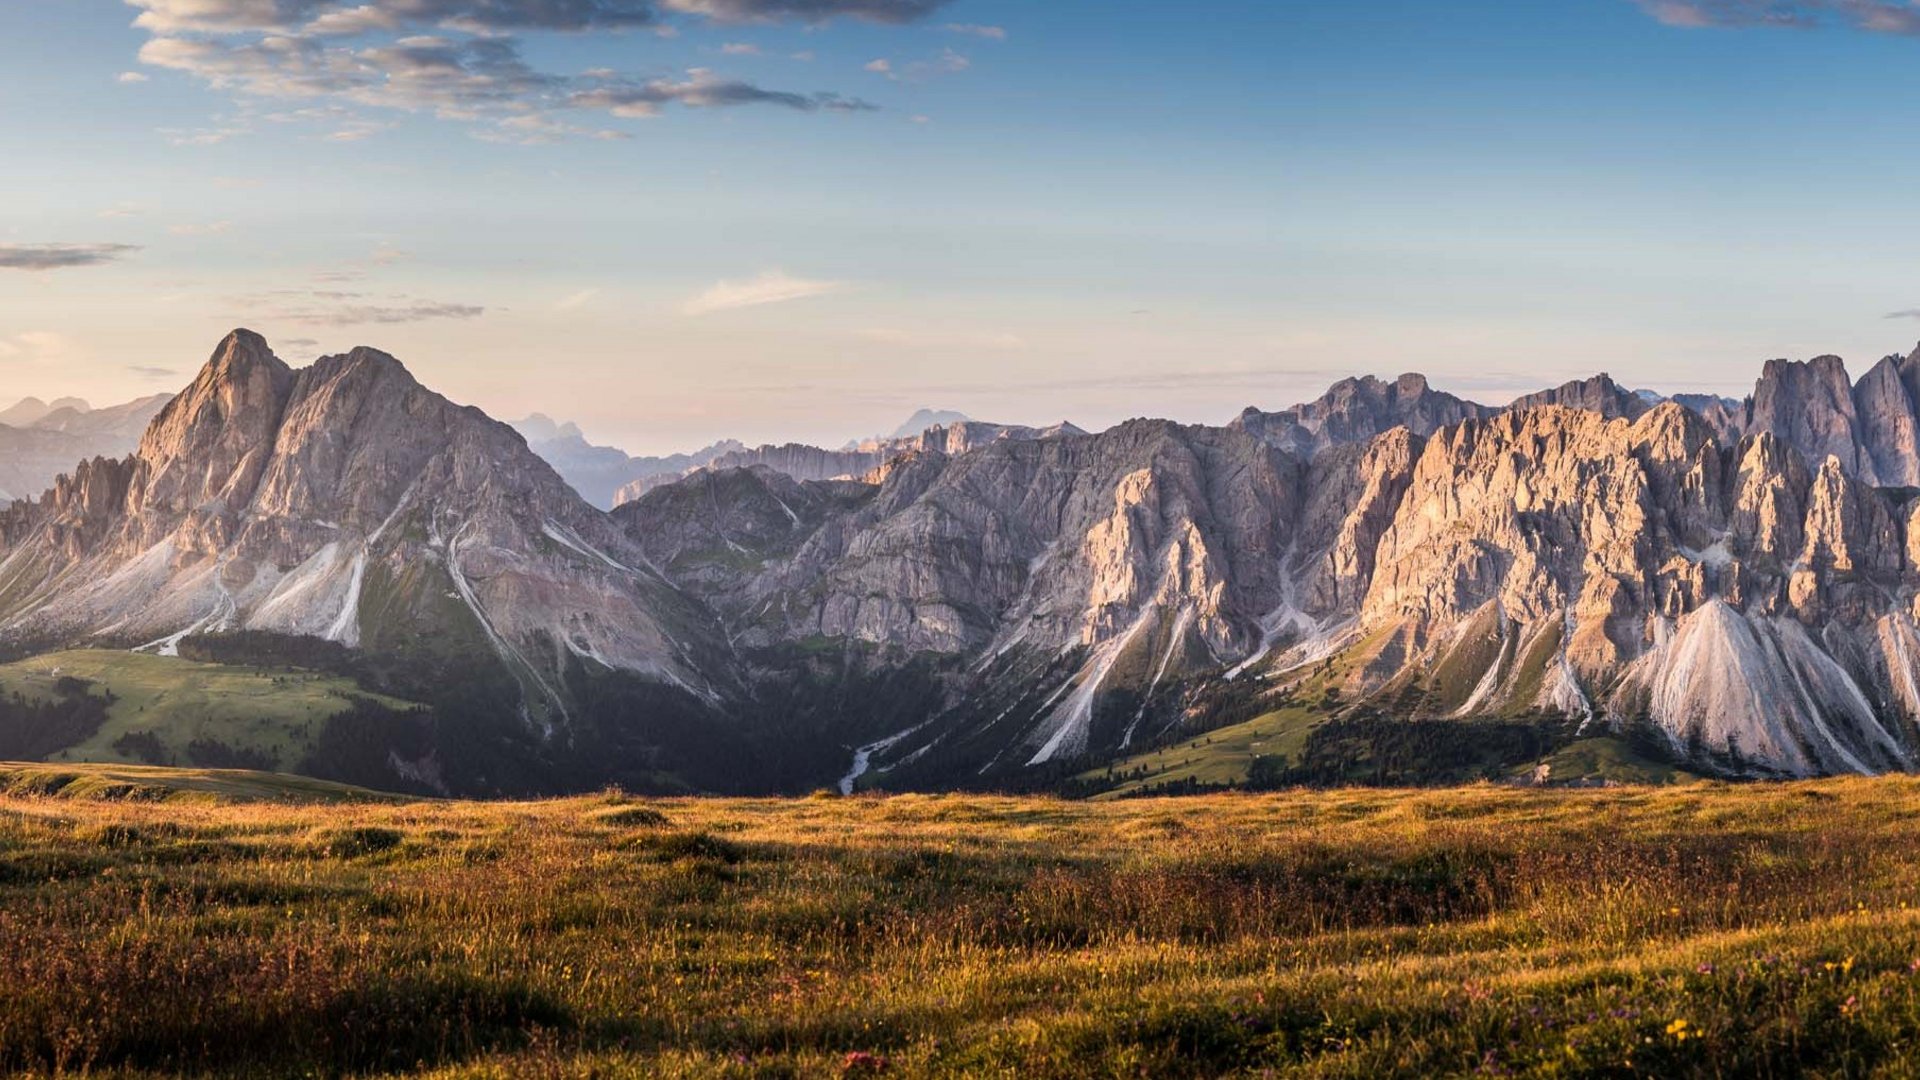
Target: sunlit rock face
{"x":1739,"y":575}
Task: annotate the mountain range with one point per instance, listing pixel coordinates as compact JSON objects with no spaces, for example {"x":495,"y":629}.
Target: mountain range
{"x":1729,"y":585}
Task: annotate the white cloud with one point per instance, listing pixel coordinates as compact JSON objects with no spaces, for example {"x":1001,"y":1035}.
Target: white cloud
{"x":200,"y":228}
{"x":130,"y":77}
{"x":577,"y":300}
{"x":740,"y":48}
{"x":43,"y":347}
{"x":1876,"y":16}
{"x":203,"y":136}
{"x":992,"y":33}
{"x":948,"y":62}
{"x":332,"y":307}
{"x":772,"y":287}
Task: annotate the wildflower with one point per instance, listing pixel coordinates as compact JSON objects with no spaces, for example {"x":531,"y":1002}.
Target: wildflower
{"x":1680,"y":1031}
{"x":859,"y":1061}
{"x":1850,"y":1006}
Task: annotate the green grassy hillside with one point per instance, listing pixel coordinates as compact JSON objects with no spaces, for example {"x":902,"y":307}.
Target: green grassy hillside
{"x":1221,"y":757}
{"x":174,"y":711}
{"x":1700,"y":931}
{"x":148,"y":783}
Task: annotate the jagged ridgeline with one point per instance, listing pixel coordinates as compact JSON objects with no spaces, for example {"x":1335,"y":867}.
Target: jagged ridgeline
{"x":1388,"y":584}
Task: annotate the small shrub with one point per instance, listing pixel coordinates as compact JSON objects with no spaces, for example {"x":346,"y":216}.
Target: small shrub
{"x":356,"y":842}
{"x":633,"y":817}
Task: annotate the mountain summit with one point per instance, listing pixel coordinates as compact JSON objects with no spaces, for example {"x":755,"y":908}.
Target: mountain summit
{"x":341,"y":501}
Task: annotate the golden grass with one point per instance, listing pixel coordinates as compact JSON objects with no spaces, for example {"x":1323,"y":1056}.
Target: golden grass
{"x":1702,"y":930}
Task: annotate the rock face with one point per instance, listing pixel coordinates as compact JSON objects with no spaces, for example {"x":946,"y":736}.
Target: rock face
{"x":341,"y":501}
{"x":1740,"y":576}
{"x":1357,"y":409}
{"x":1869,"y":426}
{"x":1741,"y":579}
{"x":1599,"y":394}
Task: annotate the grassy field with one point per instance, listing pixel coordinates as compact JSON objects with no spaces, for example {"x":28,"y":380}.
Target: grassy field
{"x":272,"y":714}
{"x":1699,"y":930}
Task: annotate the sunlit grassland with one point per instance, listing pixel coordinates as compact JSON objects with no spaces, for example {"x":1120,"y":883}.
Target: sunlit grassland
{"x":1696,"y":930}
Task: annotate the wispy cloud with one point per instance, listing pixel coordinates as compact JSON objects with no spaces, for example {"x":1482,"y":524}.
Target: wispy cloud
{"x":772,"y":287}
{"x":38,"y":257}
{"x":200,"y":228}
{"x":45,"y":347}
{"x":152,"y":372}
{"x":921,"y":339}
{"x":462,"y":60}
{"x":329,"y":307}
{"x":501,"y":16}
{"x":702,"y":89}
{"x":1876,"y":16}
{"x":1910,"y":313}
{"x":947,"y":62}
{"x":577,"y":300}
{"x":130,"y":77}
{"x":992,"y":33}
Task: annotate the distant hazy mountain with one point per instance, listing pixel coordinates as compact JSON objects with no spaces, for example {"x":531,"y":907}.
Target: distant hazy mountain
{"x":802,"y":462}
{"x":607,"y":476}
{"x":599,"y":472}
{"x":40,"y":440}
{"x":919,"y":422}
{"x":30,"y":411}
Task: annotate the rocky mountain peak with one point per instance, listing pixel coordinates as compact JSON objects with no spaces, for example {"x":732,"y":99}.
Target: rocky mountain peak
{"x":211,"y":443}
{"x":1597,"y":393}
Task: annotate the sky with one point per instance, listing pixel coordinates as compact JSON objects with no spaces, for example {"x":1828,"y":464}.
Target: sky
{"x":675,"y":221}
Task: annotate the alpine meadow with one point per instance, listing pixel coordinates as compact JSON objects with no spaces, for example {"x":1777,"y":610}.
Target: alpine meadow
{"x":952,"y":538}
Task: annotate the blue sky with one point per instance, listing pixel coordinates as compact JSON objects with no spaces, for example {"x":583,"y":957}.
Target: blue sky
{"x":1034,"y":212}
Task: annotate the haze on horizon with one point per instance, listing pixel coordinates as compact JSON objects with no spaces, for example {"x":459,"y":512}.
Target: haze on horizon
{"x":674,"y":221}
